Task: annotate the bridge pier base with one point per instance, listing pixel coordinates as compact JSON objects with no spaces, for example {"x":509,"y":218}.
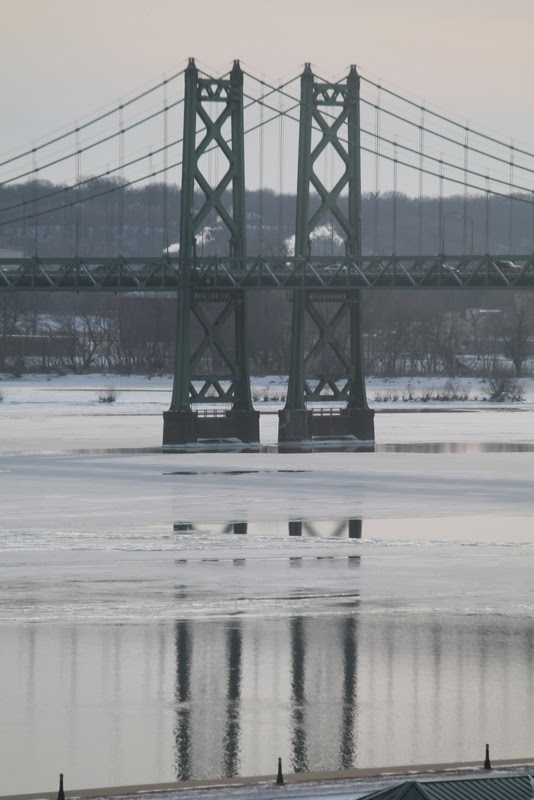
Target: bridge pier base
{"x":246,"y":424}
{"x":179,"y":427}
{"x":294,"y":425}
{"x":357,"y":422}
{"x":301,"y":425}
{"x":182,"y":428}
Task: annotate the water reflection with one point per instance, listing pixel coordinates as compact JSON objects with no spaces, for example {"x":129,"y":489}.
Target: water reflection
{"x":215,"y":698}
{"x":299,"y":756}
{"x":231,"y":739}
{"x":334,"y":529}
{"x":183,"y":699}
{"x":456,"y":447}
{"x":359,"y":447}
{"x":359,"y":692}
{"x":467,"y":530}
{"x":350,"y":674}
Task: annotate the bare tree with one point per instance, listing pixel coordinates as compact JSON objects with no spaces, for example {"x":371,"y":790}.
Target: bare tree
{"x":516,"y":326}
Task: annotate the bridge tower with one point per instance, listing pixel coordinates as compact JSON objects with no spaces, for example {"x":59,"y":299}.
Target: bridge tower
{"x":218,"y":358}
{"x":333,"y":108}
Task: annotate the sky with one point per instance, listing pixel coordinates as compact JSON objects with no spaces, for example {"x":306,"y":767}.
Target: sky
{"x":62,"y":61}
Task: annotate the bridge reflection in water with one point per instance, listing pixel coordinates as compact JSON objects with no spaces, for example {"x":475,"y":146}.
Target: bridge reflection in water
{"x":343,"y":692}
{"x":278,"y":691}
{"x":332,"y":529}
{"x":358,"y":685}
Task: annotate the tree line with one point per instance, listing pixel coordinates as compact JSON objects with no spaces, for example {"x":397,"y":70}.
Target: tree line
{"x":450,"y":333}
{"x":102,"y":219}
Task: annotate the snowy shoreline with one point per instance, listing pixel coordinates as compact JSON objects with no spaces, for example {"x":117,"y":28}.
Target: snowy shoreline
{"x":269,"y":391}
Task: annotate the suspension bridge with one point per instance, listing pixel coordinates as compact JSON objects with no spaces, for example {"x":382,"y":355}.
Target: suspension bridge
{"x":328,"y":139}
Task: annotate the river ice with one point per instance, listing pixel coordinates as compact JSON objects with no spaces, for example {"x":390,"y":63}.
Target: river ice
{"x":164,"y":644}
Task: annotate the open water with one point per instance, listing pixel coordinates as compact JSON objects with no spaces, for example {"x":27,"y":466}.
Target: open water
{"x":208,"y":649}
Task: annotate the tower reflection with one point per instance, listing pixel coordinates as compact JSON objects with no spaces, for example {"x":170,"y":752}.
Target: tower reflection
{"x":302,"y":671}
{"x":183,"y":638}
{"x":231,"y":739}
{"x":299,"y":756}
{"x":337,"y":528}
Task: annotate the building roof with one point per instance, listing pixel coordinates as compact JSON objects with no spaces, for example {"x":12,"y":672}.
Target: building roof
{"x":507,"y":787}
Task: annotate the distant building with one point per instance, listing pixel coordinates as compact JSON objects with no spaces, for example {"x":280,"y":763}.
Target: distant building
{"x":505,"y":787}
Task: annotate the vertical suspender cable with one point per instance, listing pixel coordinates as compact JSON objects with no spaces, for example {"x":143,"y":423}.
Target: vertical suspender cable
{"x":150,"y":204}
{"x":216,"y":167}
{"x":280,"y":171}
{"x":395,"y":177}
{"x":326,"y":183}
{"x":487,"y":223}
{"x":165,"y":221}
{"x":260,"y":198}
{"x":466,"y":176}
{"x":421,"y":150}
{"x":121,"y":189}
{"x":376,"y":209}
{"x":510,"y":199}
{"x":441,"y":220}
{"x":210,"y":162}
{"x":110,"y":226}
{"x":34,"y":202}
{"x":77,"y":209}
{"x":24,"y":226}
{"x":333,"y":181}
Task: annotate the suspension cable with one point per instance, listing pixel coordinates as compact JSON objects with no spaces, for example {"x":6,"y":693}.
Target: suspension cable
{"x":287,"y":113}
{"x":376,"y":209}
{"x":165,"y":231}
{"x":92,"y":145}
{"x":421,"y":176}
{"x":133,"y":182}
{"x":447,"y":119}
{"x":449,"y":139}
{"x":438,"y":134}
{"x":93,"y":121}
{"x":260,"y":198}
{"x":130,"y":163}
{"x":414,"y":151}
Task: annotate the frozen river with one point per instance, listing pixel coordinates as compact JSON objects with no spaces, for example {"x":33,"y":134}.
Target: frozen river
{"x":174,"y":616}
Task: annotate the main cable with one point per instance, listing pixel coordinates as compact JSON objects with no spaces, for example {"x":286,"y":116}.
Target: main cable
{"x":92,"y":121}
{"x":113,"y":189}
{"x":447,"y":119}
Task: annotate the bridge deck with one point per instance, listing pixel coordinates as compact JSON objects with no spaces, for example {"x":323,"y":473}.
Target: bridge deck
{"x":332,"y":274}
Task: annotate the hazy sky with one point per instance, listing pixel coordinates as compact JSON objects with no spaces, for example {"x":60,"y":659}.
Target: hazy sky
{"x":62,"y":60}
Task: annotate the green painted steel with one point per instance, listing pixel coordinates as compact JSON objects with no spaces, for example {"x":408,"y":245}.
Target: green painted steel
{"x":342,"y":101}
{"x":503,"y":787}
{"x":227,"y":96}
{"x":182,"y":373}
{"x":295,"y":394}
{"x":277,"y":273}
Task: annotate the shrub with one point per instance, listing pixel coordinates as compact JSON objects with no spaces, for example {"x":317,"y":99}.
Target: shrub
{"x":386,"y":397}
{"x":452,"y":391}
{"x":107,"y":395}
{"x":502,"y":387}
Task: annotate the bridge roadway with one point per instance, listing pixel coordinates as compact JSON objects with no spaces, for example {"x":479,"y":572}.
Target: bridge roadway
{"x":328,"y":274}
